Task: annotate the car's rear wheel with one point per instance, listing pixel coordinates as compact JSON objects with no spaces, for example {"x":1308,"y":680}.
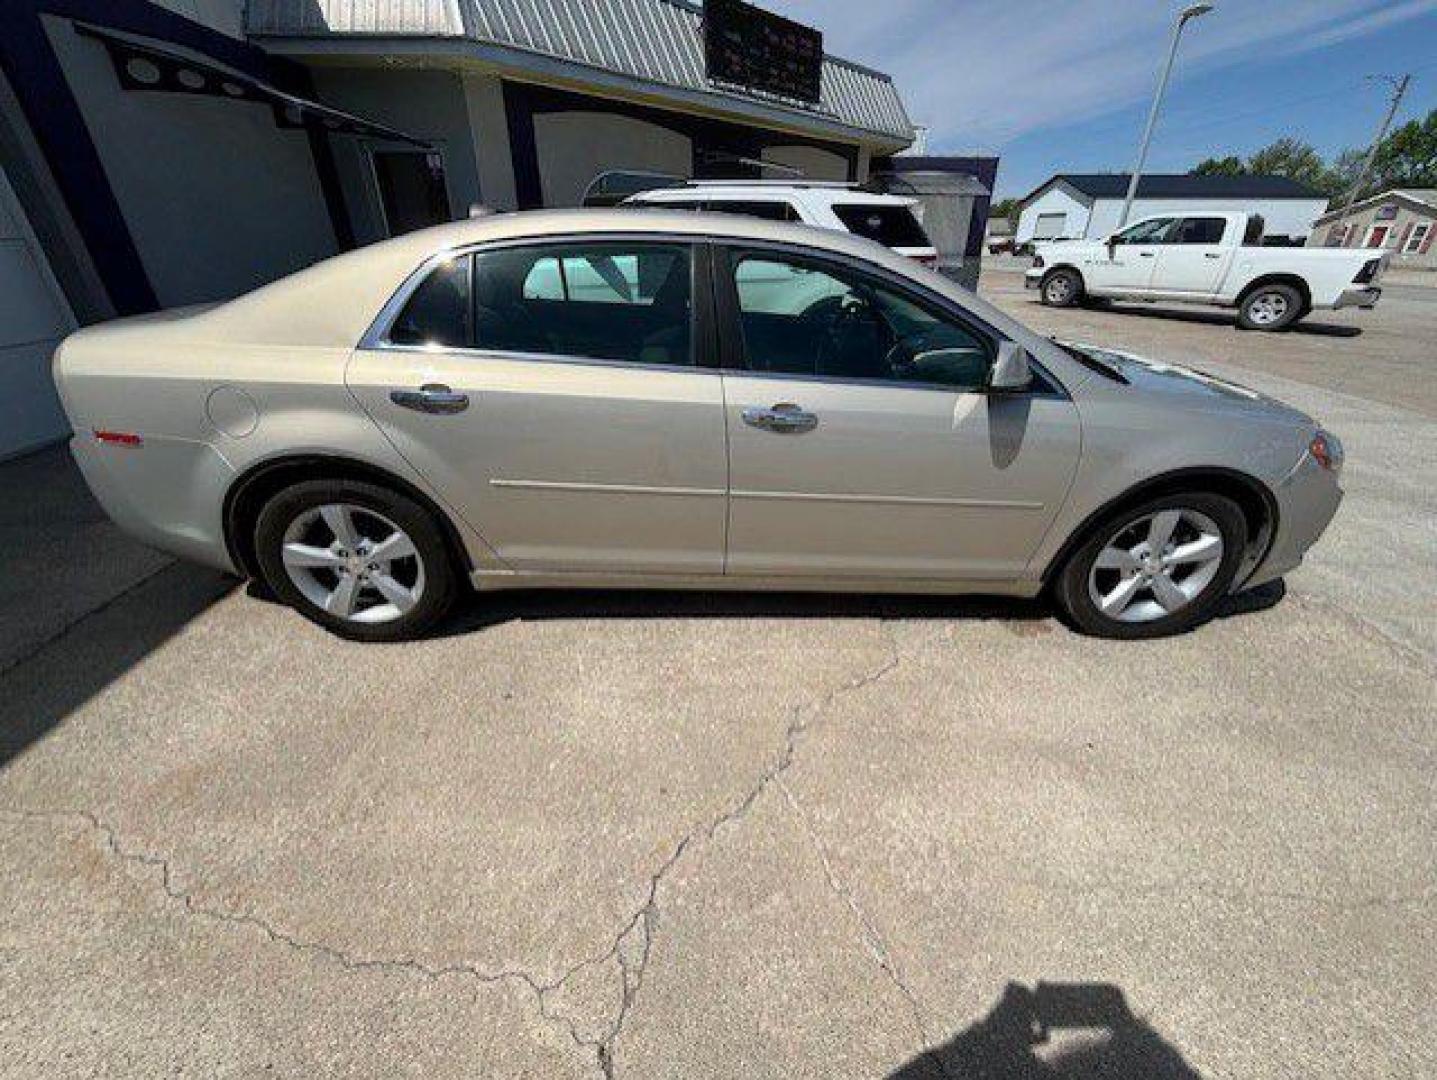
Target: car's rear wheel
{"x":360,"y":560}
{"x":1062,"y":288}
{"x":1155,"y":569}
{"x":1270,"y":307}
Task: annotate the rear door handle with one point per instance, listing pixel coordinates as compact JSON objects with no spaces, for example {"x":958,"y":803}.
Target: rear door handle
{"x":1147,"y":254}
{"x":431,"y":398}
{"x":1212,"y":255}
{"x":785,"y":418}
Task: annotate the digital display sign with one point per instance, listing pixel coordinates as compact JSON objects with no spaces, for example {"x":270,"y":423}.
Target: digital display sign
{"x":754,"y":49}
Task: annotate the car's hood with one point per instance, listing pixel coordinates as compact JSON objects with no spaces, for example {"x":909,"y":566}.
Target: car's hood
{"x":1190,"y":387}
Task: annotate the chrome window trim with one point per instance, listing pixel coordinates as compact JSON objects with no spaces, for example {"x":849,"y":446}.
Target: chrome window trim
{"x":376,"y":338}
{"x":537,"y":358}
{"x":738,"y":246}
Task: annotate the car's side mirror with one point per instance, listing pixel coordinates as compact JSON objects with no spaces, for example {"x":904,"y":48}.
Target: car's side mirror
{"x":1113,"y":243}
{"x":1012,"y":371}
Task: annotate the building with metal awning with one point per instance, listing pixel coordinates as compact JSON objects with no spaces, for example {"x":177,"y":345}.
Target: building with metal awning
{"x":165,"y":152}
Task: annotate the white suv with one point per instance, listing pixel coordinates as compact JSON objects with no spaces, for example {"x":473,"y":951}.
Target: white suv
{"x":888,"y":219}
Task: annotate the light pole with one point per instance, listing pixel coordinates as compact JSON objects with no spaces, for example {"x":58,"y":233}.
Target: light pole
{"x":1193,"y":11}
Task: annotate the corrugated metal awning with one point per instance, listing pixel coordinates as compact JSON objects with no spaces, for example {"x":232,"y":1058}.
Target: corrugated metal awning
{"x":140,"y":65}
{"x":657,"y":41}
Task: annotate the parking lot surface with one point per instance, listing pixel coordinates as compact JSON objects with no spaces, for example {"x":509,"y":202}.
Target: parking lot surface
{"x":662,"y":835}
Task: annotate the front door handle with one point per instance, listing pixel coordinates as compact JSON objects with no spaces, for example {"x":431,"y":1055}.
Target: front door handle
{"x":785,"y":418}
{"x":431,"y":398}
{"x":1212,"y":255}
{"x":1147,"y":254}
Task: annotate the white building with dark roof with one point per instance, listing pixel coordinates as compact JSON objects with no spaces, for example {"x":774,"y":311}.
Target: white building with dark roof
{"x":1083,"y":206}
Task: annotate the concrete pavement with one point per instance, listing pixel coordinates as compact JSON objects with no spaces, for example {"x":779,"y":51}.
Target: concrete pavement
{"x":682,"y":836}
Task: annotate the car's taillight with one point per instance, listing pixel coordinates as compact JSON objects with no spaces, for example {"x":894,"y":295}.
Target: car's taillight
{"x":1327,"y":451}
{"x":1368,"y":272}
{"x":930,"y":261}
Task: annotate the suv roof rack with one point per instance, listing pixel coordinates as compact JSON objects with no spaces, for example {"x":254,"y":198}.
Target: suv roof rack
{"x":794,"y":182}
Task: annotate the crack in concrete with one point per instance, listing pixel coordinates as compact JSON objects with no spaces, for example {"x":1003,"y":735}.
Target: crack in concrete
{"x":643,"y":922}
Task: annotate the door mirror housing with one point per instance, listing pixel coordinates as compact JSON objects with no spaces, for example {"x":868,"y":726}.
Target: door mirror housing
{"x":1012,"y":371}
{"x":1112,"y":243}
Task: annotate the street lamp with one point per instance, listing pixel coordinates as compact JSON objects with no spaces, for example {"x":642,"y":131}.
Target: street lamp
{"x":1193,"y":11}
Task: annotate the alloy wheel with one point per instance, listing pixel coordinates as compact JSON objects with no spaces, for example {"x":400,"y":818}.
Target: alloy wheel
{"x":1156,"y":566}
{"x":1059,"y":289}
{"x":353,"y":563}
{"x":1268,"y":308}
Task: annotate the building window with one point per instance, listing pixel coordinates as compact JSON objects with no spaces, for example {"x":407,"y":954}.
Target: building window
{"x":412,"y":189}
{"x":1420,"y":232}
{"x":1050,"y":226}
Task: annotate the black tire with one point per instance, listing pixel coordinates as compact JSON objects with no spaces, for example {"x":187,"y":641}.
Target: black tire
{"x":1062,"y":288}
{"x":432,"y":558}
{"x":1271,"y":307}
{"x":1071,"y":586}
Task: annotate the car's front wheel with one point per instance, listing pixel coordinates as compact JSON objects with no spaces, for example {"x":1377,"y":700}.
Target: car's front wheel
{"x":360,"y":560}
{"x":1062,"y":288}
{"x":1156,"y":569}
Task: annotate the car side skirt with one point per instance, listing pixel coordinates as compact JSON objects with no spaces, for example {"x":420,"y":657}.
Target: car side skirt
{"x":492,"y":581}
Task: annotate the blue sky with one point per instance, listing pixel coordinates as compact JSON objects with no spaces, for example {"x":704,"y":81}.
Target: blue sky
{"x":1064,"y":85}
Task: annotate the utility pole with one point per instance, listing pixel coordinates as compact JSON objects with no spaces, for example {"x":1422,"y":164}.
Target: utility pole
{"x":1399,"y":91}
{"x":1192,"y":11}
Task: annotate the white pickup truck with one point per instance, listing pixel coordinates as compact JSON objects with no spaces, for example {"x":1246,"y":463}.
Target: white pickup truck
{"x":1207,"y":258}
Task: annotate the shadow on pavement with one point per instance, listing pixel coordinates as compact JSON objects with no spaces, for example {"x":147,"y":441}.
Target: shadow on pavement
{"x":40,"y":689}
{"x":1084,"y":1030}
{"x":1225,"y":318}
{"x":80,"y":604}
{"x":485,"y":610}
{"x":494,"y":609}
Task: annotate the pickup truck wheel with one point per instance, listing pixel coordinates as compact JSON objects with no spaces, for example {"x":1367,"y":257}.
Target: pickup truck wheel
{"x":1270,"y":307}
{"x":1062,"y":288}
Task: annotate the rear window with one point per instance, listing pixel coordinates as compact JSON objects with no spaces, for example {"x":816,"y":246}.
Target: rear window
{"x":769,"y":211}
{"x":891,"y":226}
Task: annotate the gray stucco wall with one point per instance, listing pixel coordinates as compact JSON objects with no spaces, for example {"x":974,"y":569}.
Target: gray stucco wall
{"x":574,"y":147}
{"x":217,"y":199}
{"x":813,"y":162}
{"x":430,"y":105}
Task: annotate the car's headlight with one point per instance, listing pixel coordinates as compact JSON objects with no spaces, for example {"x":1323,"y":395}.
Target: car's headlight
{"x":1326,"y":450}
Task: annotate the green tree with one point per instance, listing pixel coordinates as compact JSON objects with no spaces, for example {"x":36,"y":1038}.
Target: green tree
{"x":1294,"y":159}
{"x":1004,"y":208}
{"x":1408,"y":156}
{"x":1224,"y":166}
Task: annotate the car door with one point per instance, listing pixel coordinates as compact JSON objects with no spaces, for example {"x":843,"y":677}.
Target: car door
{"x":1128,"y":261}
{"x":1192,"y":258}
{"x":551,"y":394}
{"x":862,"y":444}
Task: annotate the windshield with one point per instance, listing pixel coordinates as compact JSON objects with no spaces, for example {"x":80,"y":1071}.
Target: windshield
{"x":892,"y":226}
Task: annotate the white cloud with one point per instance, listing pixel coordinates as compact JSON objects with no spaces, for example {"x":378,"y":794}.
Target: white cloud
{"x":979,"y":73}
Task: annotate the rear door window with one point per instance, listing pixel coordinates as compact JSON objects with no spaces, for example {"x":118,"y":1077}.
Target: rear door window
{"x":892,"y":226}
{"x":1199,"y":230}
{"x":769,"y":210}
{"x":620,"y":300}
{"x":439,"y":311}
